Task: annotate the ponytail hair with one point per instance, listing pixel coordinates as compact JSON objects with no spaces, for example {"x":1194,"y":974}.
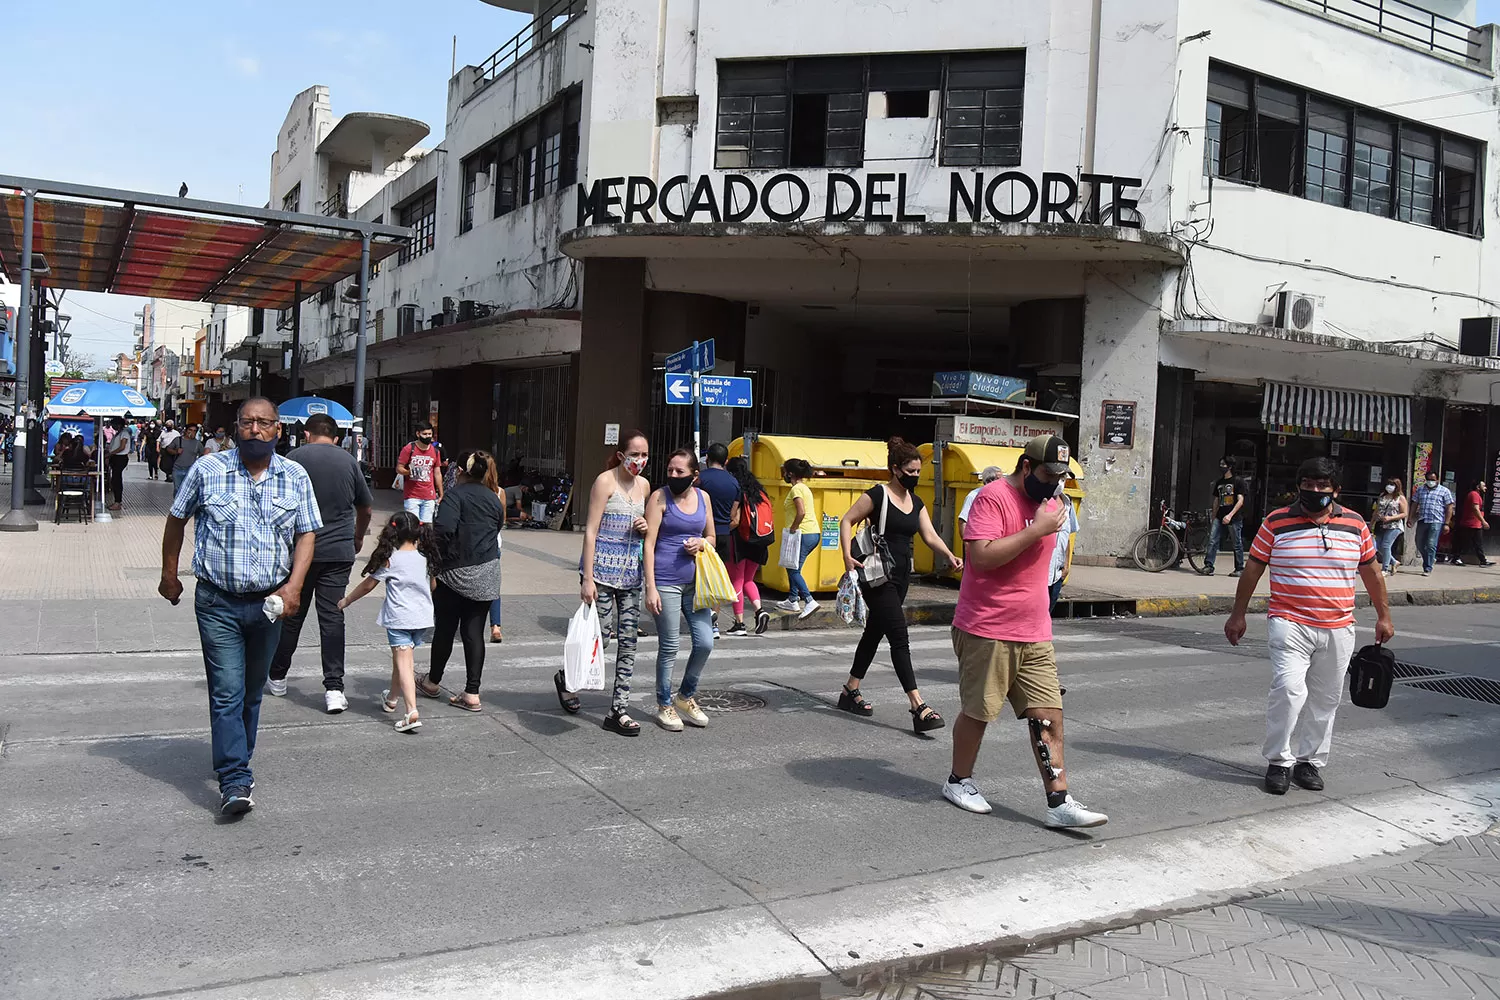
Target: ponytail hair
{"x":402,"y":527}
{"x":475,"y":464}
{"x":898,"y":453}
{"x":797,"y":468}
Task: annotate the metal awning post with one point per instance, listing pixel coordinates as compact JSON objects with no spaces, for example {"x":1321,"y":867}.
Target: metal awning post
{"x":296,"y":373}
{"x":18,"y":519}
{"x":360,"y":340}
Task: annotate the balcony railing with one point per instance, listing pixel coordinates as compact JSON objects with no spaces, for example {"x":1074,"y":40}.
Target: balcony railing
{"x":547,"y":24}
{"x":337,"y":205}
{"x":1406,"y":21}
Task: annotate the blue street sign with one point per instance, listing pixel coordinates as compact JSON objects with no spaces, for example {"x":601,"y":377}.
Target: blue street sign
{"x":683,"y":361}
{"x":679,"y":389}
{"x":720,"y":390}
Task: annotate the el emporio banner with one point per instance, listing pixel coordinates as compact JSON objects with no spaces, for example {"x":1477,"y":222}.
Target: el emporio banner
{"x":1009,"y":196}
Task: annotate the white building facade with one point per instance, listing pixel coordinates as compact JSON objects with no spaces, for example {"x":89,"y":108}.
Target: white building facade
{"x":1204,"y":227}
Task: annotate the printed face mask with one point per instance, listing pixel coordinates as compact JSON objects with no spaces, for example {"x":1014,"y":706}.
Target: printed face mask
{"x":633,"y":465}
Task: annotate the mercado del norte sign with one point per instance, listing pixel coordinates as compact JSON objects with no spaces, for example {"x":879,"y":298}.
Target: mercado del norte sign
{"x":973,"y":196}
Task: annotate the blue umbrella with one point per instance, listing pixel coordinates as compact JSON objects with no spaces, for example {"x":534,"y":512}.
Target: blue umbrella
{"x":100,"y":399}
{"x":296,"y":411}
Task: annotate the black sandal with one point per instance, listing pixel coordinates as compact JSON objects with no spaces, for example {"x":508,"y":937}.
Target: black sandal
{"x":850,"y":700}
{"x":925,"y":723}
{"x":619,"y":722}
{"x":569,"y":703}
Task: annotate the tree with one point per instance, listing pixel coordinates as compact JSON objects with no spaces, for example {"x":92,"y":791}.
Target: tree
{"x":79,"y":364}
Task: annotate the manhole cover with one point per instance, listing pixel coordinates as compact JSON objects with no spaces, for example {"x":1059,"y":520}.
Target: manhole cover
{"x":729,"y":701}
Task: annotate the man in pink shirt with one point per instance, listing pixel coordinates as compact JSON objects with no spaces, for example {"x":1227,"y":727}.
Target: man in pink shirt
{"x":1002,"y":628}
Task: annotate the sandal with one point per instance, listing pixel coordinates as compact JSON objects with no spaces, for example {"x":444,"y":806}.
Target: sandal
{"x":457,"y":701}
{"x":387,"y":703}
{"x":850,"y":700}
{"x":569,"y":702}
{"x":408,"y":722}
{"x":422,"y":682}
{"x":925,"y":720}
{"x":495,"y":635}
{"x":619,"y":722}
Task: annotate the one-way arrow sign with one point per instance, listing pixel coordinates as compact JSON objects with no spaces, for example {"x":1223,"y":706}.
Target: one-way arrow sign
{"x":679,"y":389}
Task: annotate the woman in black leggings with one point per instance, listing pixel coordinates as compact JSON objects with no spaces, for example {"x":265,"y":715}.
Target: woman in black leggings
{"x":466,"y":526}
{"x":905,"y":517}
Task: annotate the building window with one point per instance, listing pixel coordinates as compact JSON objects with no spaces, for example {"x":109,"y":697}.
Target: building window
{"x":292,"y":201}
{"x":476,"y":177}
{"x":982,"y":109}
{"x":539,"y":156}
{"x":754,"y":98}
{"x":1274,"y":135}
{"x":908,"y":82}
{"x":828,"y":112}
{"x":418,"y":214}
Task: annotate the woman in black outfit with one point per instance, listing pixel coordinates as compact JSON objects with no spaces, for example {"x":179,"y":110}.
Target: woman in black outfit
{"x":149,"y":449}
{"x":467,"y":523}
{"x":905,"y":518}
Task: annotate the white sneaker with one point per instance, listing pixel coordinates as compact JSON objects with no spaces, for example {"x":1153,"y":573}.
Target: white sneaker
{"x":965,"y":795}
{"x":334,"y":702}
{"x":667,"y":718}
{"x":1071,"y":815}
{"x":689,"y":712}
{"x":789,"y":606}
{"x":277,"y":688}
{"x":808,"y":609}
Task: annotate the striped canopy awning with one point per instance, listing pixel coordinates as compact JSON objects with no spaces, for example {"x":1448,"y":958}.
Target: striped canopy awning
{"x":1284,"y":404}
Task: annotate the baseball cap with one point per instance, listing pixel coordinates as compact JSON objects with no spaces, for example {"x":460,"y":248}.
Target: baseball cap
{"x":1050,"y":451}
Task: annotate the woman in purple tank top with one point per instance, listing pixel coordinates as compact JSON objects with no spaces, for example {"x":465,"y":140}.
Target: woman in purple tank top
{"x":678,"y":527}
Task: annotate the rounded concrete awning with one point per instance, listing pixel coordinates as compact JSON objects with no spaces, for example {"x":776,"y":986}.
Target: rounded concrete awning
{"x":356,"y":137}
{"x":872,"y":241}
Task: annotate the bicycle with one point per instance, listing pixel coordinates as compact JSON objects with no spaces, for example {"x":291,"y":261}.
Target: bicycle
{"x":1156,"y":549}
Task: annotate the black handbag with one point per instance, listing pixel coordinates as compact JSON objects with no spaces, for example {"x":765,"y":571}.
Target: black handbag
{"x":1372,"y":670}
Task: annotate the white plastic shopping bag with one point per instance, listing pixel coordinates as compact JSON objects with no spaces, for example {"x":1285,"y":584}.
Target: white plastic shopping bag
{"x":583,"y":651}
{"x":791,"y":550}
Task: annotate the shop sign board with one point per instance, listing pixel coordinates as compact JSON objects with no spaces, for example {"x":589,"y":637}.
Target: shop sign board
{"x":1117,"y":424}
{"x":979,"y":385}
{"x":1002,"y":432}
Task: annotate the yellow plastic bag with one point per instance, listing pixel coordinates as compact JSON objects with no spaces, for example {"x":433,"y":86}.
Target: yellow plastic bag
{"x":711,"y":581}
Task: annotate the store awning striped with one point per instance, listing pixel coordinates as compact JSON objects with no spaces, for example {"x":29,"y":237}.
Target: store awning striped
{"x":1284,"y":404}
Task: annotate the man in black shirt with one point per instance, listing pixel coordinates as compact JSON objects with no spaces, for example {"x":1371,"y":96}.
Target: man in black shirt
{"x":1228,"y":516}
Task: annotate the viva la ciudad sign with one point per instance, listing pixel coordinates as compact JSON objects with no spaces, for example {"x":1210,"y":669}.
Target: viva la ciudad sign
{"x":972,"y":196}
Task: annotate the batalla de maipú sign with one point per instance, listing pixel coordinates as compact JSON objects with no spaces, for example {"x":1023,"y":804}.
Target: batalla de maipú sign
{"x":973,"y":196}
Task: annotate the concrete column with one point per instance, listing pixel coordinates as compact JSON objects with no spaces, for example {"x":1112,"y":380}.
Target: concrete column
{"x":1121,"y":331}
{"x":613,"y":364}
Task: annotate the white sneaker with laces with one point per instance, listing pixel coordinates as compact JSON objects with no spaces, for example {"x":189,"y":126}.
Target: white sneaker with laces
{"x":808,"y":609}
{"x":276,"y":688}
{"x":334,"y":702}
{"x":667,"y":718}
{"x":790,"y":606}
{"x":965,"y":794}
{"x":1071,"y":815}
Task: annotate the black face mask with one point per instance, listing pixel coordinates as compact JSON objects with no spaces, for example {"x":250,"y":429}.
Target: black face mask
{"x":1036,"y":489}
{"x":424,"y":441}
{"x":255,"y":449}
{"x":1314,"y":502}
{"x":908,"y":483}
{"x":679,"y":484}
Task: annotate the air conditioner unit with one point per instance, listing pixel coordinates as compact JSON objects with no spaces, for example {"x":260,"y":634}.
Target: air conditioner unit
{"x":1479,"y":337}
{"x":406,"y":320}
{"x":465,"y":310}
{"x":1299,"y":311}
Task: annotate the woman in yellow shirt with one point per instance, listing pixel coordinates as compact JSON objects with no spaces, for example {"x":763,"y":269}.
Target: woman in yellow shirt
{"x":804,"y":522}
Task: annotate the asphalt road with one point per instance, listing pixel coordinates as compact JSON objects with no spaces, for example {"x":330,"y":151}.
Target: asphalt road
{"x":491,"y":852}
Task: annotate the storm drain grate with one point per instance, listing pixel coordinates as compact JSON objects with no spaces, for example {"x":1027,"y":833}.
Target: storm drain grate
{"x":728,"y":701}
{"x":1472,"y":688}
{"x":1404,"y":669}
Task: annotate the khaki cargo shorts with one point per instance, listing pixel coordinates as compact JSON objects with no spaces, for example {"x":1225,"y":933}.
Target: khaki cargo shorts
{"x":994,"y":671}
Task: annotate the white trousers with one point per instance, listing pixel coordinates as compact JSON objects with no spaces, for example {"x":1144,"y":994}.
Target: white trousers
{"x":1308,"y":667}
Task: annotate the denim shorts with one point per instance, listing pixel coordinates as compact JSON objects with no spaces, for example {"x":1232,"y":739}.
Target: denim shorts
{"x":413,"y":637}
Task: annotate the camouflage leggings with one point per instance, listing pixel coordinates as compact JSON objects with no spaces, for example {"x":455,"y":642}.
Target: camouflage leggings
{"x":626,"y":604}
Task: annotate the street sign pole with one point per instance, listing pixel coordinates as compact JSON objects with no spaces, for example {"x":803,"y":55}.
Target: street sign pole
{"x":18,"y":519}
{"x":697,"y":408}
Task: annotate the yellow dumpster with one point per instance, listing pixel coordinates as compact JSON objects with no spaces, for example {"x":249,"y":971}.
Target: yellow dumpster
{"x":962,"y":464}
{"x":842,"y":470}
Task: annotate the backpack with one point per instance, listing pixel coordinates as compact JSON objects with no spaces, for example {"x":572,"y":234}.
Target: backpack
{"x":1371,"y":671}
{"x":755,"y":520}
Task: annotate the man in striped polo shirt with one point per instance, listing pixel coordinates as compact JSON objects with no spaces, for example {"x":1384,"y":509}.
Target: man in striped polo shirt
{"x":1314,"y":549}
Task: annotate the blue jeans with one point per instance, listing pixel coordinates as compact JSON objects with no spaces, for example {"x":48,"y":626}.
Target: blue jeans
{"x":1385,"y":541}
{"x":424,"y":509}
{"x":178,"y":475}
{"x":238,"y":643}
{"x":1217,"y":529}
{"x":676,"y":604}
{"x":796,"y":586}
{"x":495,"y":611}
{"x":1428,"y":533}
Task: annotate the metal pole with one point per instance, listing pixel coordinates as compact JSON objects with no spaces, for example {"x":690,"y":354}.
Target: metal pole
{"x":36,"y":439}
{"x":360,"y":340}
{"x":257,"y":330}
{"x":18,"y":519}
{"x":296,"y":340}
{"x":697,"y":408}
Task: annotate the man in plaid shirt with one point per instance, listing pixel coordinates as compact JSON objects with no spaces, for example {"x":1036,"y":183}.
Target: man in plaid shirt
{"x":252,"y":539}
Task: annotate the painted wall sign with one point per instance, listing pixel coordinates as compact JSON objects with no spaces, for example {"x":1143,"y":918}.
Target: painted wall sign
{"x":1117,"y":423}
{"x":1002,"y":432}
{"x":973,"y":196}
